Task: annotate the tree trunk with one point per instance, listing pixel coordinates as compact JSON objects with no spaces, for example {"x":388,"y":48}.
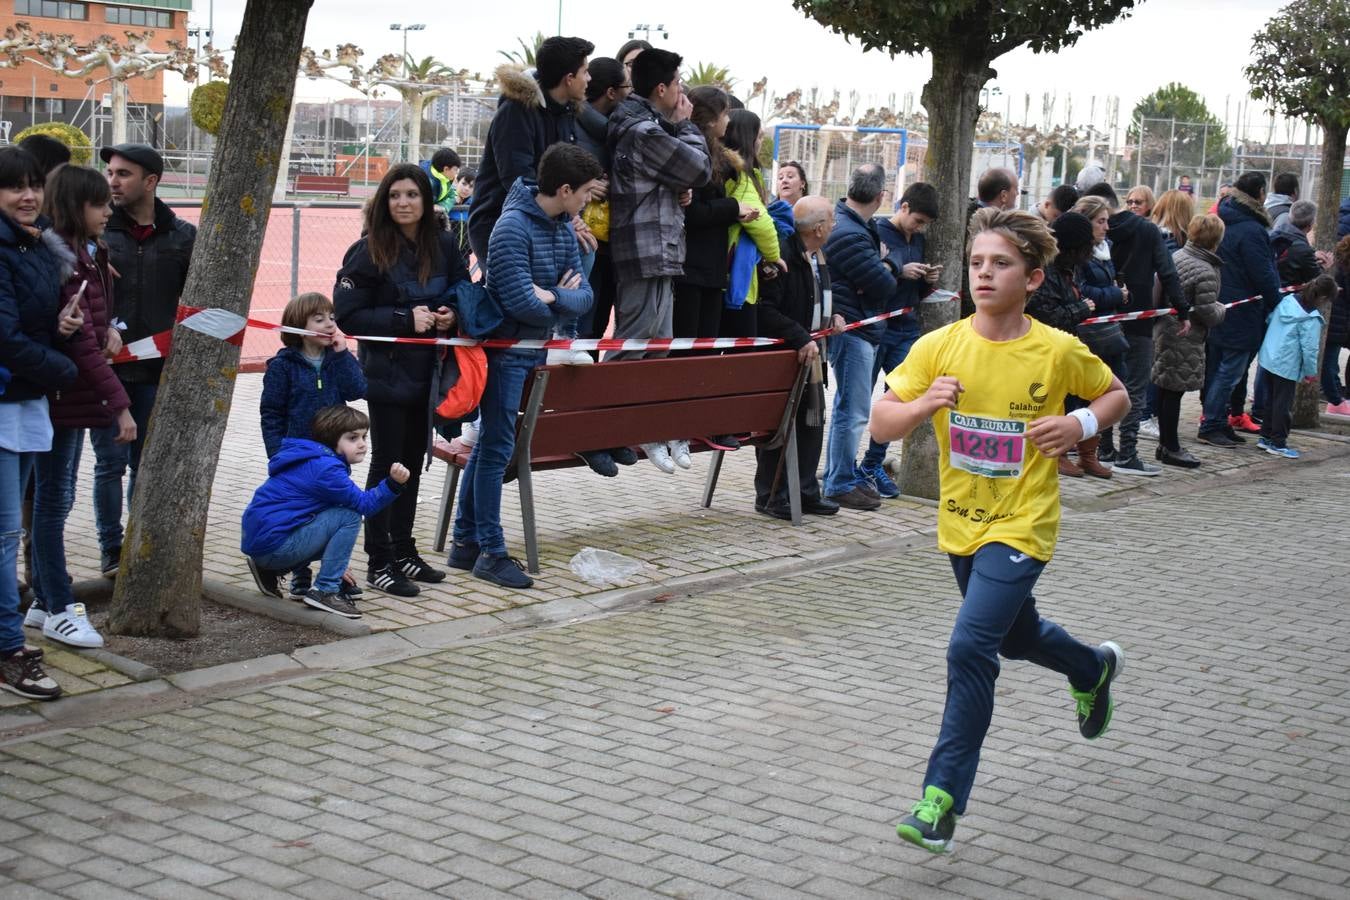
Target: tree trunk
{"x":1329,"y":184}
{"x":119,"y":111}
{"x":415,"y":102}
{"x":952,"y":98}
{"x":158,"y":592}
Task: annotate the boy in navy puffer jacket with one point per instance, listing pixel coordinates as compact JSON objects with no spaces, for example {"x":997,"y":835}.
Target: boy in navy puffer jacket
{"x":535,"y":277}
{"x":310,"y":509}
{"x":309,"y":373}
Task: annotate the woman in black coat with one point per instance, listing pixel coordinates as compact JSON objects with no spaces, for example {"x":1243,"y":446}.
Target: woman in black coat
{"x":1338,"y":336}
{"x":398,"y":281}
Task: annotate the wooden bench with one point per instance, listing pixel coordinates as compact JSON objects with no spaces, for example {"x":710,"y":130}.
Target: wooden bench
{"x":568,"y":409}
{"x":306,"y":183}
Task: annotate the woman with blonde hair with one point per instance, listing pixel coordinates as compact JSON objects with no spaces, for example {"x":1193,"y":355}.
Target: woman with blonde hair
{"x":1140,"y":201}
{"x":1172,"y":214}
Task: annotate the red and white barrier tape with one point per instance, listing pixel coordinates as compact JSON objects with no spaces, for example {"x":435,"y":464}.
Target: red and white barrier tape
{"x":230,"y":327}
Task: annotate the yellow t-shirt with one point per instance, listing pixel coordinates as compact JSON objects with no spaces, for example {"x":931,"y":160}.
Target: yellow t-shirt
{"x":996,"y":486}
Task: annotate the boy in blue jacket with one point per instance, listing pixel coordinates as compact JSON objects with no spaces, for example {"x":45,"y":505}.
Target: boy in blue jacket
{"x":1289,"y":354}
{"x":309,"y":509}
{"x":535,"y":278}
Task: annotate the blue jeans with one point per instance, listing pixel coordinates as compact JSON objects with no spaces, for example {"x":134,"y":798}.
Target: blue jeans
{"x":852,"y":359}
{"x":891,"y":352}
{"x":53,"y":496}
{"x":110,"y":462}
{"x":1138,"y":366}
{"x":328,"y":537}
{"x":1333,"y":389}
{"x":1224,"y":368}
{"x":14,"y":471}
{"x":479,"y":517}
{"x":997,"y":616}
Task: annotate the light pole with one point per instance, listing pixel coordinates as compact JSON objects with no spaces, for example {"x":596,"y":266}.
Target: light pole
{"x":402,"y":106}
{"x":647,"y":30}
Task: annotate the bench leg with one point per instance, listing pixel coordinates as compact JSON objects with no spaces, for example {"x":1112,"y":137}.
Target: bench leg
{"x":447,"y":506}
{"x":794,"y":480}
{"x":526,"y":486}
{"x":714,"y":469}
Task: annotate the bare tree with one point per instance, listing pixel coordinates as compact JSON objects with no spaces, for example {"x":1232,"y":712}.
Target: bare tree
{"x":159,"y":589}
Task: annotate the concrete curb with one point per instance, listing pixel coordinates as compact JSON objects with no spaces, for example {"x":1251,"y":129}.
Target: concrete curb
{"x":281,"y":610}
{"x":136,"y":671}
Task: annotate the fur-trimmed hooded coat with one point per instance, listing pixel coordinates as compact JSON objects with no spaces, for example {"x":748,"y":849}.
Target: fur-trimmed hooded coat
{"x":527,"y":122}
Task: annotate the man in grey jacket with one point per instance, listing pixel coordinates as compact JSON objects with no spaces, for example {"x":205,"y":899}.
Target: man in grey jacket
{"x":658,"y":155}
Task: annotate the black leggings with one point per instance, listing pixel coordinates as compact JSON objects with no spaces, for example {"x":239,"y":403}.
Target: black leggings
{"x":1168,"y":407}
{"x":397,"y":434}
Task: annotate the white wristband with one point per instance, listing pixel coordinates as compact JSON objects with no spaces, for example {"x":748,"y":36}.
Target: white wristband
{"x":1086,"y":418}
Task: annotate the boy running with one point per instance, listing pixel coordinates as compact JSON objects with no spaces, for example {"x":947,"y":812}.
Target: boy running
{"x":993,"y":384}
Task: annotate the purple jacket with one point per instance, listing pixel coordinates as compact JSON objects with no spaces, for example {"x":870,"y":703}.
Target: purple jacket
{"x":97,"y":396}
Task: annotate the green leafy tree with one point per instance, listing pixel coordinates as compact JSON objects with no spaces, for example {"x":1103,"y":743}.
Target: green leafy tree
{"x":1301,"y":66}
{"x":1198,"y":137}
{"x":709,"y":74}
{"x":525,"y":55}
{"x":964,"y":38}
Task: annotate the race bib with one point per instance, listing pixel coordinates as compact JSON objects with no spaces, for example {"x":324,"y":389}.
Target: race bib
{"x":994,"y":448}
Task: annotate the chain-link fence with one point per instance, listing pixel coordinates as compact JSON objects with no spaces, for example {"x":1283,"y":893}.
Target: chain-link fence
{"x":1165,"y":153}
{"x":302,"y":251}
{"x":829,"y":153}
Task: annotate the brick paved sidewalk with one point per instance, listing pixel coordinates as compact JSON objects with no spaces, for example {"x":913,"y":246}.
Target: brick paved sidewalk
{"x":643,"y":514}
{"x":762,"y":743}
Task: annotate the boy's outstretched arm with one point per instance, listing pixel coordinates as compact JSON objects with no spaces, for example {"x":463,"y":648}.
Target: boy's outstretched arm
{"x":893,"y":418}
{"x":1056,"y":435}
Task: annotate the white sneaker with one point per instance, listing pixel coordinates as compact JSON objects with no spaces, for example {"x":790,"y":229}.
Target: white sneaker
{"x":1149,"y":429}
{"x":72,"y":627}
{"x":569,"y":358}
{"x":34,"y":617}
{"x":659,"y":454}
{"x":679,"y":454}
{"x":469,"y":433}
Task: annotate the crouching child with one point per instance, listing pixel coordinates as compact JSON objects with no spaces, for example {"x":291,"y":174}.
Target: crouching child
{"x":310,"y":509}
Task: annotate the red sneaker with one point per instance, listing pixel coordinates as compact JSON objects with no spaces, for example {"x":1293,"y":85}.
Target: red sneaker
{"x":1243,"y":423}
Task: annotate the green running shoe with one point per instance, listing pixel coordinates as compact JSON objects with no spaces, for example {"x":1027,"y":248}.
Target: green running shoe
{"x":1095,"y":706}
{"x":931,"y":823}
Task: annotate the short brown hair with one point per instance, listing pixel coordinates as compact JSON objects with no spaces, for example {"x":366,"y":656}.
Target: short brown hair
{"x":1206,"y":231}
{"x":297,"y":313}
{"x":1028,"y":233}
{"x":332,"y":422}
{"x":1091,"y":206}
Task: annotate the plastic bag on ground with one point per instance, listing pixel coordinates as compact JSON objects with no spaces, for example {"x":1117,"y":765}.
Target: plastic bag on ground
{"x":603,"y":567}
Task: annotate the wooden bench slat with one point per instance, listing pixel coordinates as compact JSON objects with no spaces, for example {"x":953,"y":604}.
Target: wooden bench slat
{"x":567,"y":432}
{"x":664,"y":380}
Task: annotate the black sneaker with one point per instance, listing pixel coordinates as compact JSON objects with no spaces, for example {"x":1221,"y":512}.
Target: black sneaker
{"x":624,"y":456}
{"x":1106,"y":453}
{"x":462,"y":556}
{"x":333,"y":603}
{"x":350,"y":591}
{"x":386,"y":579}
{"x":109,"y":562}
{"x":1182,"y":459}
{"x":1135,"y":466}
{"x":778,"y":512}
{"x":1233,"y":435}
{"x":1216,"y":438}
{"x":1095,"y":706}
{"x":856,"y":498}
{"x":301,"y":582}
{"x":502,"y":570}
{"x":416,"y":568}
{"x":601,"y":462}
{"x":931,"y":823}
{"x":820,"y":507}
{"x":267,"y":580}
{"x":21,"y":673}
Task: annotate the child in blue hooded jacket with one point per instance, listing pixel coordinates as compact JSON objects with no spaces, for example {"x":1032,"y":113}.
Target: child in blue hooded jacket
{"x":310,"y":509}
{"x":1289,"y":354}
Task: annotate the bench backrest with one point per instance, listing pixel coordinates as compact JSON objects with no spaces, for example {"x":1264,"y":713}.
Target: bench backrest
{"x":643,"y":401}
{"x":323,"y":184}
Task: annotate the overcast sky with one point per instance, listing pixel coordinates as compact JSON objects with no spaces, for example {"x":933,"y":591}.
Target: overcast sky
{"x":1200,"y":43}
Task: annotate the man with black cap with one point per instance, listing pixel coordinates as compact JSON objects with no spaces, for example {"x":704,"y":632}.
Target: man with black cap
{"x":150,"y":249}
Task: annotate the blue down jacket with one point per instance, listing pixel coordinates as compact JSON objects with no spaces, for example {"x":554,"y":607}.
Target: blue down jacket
{"x":303,"y":480}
